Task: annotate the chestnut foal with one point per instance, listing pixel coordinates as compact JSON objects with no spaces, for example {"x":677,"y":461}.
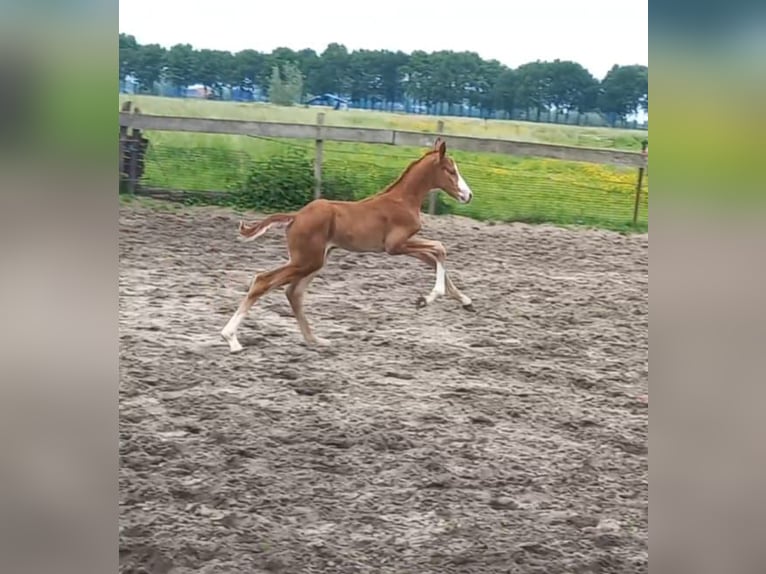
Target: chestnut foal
{"x":385,"y":222}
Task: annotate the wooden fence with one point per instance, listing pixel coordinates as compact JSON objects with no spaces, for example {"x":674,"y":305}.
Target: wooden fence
{"x":132,"y":151}
{"x":134,"y":147}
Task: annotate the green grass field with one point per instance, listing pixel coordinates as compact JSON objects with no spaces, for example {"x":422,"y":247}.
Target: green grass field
{"x":506,"y":188}
{"x":512,"y":130}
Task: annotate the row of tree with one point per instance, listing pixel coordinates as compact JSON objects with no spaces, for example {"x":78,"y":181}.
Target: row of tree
{"x":444,"y":76}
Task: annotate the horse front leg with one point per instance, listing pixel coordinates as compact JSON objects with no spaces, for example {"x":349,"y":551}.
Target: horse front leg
{"x":433,"y":254}
{"x":458,"y":295}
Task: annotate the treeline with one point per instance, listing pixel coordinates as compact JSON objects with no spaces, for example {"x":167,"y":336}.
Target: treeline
{"x":444,"y":76}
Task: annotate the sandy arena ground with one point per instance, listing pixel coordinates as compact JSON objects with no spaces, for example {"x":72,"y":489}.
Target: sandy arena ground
{"x":422,"y":441}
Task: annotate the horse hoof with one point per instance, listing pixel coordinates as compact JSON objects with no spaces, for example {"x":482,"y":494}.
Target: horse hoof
{"x":318,"y":342}
{"x":469,"y":307}
{"x":234,"y":344}
{"x":421,"y":302}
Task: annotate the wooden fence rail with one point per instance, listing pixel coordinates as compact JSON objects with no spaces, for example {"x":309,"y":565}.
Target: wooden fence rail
{"x":320,"y":133}
{"x":379,"y":136}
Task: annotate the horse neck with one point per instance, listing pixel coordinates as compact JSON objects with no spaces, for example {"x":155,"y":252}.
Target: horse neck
{"x":413,"y":185}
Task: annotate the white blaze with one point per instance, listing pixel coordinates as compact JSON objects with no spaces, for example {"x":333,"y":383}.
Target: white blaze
{"x":465,"y":190}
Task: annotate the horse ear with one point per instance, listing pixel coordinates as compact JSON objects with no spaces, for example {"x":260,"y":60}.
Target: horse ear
{"x":442,"y":148}
{"x":437,"y":142}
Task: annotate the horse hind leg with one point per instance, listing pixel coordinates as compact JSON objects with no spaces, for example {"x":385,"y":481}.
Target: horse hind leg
{"x":314,"y":260}
{"x":458,"y":295}
{"x":295,"y":292}
{"x":262,"y":284}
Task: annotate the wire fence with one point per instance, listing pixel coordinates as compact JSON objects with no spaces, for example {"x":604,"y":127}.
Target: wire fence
{"x":506,"y":188}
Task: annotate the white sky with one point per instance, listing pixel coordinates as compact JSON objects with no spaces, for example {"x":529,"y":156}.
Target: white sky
{"x":594,"y":33}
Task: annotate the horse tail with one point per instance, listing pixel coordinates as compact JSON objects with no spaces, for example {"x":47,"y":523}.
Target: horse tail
{"x":253,"y":230}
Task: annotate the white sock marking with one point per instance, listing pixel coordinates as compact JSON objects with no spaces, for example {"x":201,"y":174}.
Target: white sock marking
{"x":229,"y":332}
{"x":439,"y":286}
{"x":231,"y":327}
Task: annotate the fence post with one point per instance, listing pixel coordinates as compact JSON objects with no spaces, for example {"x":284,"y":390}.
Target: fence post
{"x":435,"y":192}
{"x":124,"y":147}
{"x":133,"y":151}
{"x":644,"y":145}
{"x":318,"y":157}
{"x":123,"y":168}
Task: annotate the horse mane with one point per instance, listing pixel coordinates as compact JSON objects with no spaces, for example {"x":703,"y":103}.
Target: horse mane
{"x":407,"y":170}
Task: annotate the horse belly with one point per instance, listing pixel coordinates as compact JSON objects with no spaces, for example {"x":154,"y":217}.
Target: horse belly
{"x":361,"y":243}
{"x":359,"y":233}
